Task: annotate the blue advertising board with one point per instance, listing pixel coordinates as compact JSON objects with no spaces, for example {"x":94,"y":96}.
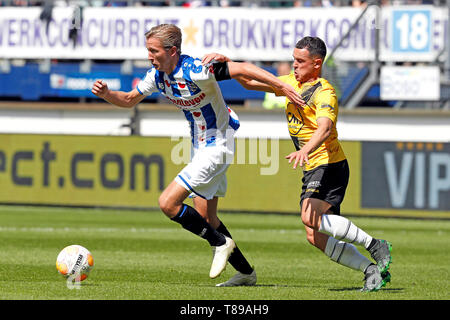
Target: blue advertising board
{"x":64,"y":80}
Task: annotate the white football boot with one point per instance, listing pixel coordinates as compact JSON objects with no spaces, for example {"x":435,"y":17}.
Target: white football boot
{"x":220,"y":257}
{"x":240,"y":279}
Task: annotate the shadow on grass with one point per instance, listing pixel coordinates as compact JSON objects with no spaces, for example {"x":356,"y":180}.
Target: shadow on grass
{"x":263,"y":285}
{"x":359,"y":288}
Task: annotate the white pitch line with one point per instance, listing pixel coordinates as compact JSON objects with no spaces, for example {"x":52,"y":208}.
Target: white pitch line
{"x":131,"y":230}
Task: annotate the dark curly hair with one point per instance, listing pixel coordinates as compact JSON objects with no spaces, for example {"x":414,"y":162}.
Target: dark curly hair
{"x":314,"y":45}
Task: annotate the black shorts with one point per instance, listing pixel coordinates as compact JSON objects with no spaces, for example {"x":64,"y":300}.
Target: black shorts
{"x":328,"y":183}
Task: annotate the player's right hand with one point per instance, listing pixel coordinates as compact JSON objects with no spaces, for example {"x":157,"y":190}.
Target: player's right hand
{"x":299,"y":157}
{"x":207,"y":58}
{"x":293,"y":95}
{"x":100,"y":88}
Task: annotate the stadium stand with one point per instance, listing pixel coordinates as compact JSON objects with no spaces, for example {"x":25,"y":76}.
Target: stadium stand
{"x":67,"y":79}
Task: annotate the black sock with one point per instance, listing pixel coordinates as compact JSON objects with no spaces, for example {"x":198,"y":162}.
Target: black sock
{"x":372,"y":264}
{"x":236,"y":259}
{"x":192,"y":221}
{"x":372,"y":243}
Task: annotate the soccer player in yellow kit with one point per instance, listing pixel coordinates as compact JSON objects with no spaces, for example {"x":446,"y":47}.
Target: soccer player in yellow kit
{"x":312,"y":127}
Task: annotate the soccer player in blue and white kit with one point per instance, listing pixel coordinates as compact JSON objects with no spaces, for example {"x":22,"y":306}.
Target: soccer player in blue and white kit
{"x":193,"y":88}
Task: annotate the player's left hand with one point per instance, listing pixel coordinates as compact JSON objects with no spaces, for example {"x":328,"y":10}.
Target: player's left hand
{"x":207,"y":58}
{"x":299,"y":157}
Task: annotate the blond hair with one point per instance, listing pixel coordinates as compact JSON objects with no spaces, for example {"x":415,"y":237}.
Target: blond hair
{"x":168,"y":34}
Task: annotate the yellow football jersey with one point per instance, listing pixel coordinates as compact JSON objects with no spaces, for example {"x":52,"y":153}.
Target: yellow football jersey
{"x":321,"y":100}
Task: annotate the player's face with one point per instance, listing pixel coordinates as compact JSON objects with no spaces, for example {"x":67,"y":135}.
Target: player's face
{"x":306,"y":68}
{"x":160,"y":57}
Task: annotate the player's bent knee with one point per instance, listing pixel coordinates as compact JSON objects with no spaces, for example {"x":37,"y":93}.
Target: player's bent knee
{"x":167,"y":206}
{"x":306,"y":220}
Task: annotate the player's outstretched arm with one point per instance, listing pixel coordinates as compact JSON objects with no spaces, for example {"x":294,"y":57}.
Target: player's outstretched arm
{"x":252,"y":77}
{"x":246,"y":82}
{"x":119,"y":98}
{"x":246,"y":70}
{"x":250,"y":84}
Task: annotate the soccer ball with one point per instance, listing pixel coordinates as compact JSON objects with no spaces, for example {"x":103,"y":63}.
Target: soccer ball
{"x":75,"y":262}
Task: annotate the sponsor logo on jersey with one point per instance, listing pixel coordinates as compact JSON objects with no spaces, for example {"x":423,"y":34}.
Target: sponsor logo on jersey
{"x":185,"y":103}
{"x":294,"y":119}
{"x":192,"y":87}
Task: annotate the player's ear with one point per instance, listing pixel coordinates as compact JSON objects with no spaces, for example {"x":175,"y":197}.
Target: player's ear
{"x":318,"y":62}
{"x":173,"y":51}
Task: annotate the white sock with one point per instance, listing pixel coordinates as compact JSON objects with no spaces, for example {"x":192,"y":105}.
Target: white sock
{"x":346,"y":254}
{"x":343,"y":229}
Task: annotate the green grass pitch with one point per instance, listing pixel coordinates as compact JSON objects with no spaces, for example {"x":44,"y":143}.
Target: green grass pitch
{"x":144,"y":256}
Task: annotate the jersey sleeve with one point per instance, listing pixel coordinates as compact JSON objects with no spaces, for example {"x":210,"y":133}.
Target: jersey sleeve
{"x":199,"y":73}
{"x":148,"y":85}
{"x":327,"y":104}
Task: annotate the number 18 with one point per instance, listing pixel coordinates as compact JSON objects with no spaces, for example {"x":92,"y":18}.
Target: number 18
{"x":411,"y":31}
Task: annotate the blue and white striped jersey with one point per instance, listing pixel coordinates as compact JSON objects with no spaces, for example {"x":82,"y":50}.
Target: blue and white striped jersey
{"x":193,"y":88}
